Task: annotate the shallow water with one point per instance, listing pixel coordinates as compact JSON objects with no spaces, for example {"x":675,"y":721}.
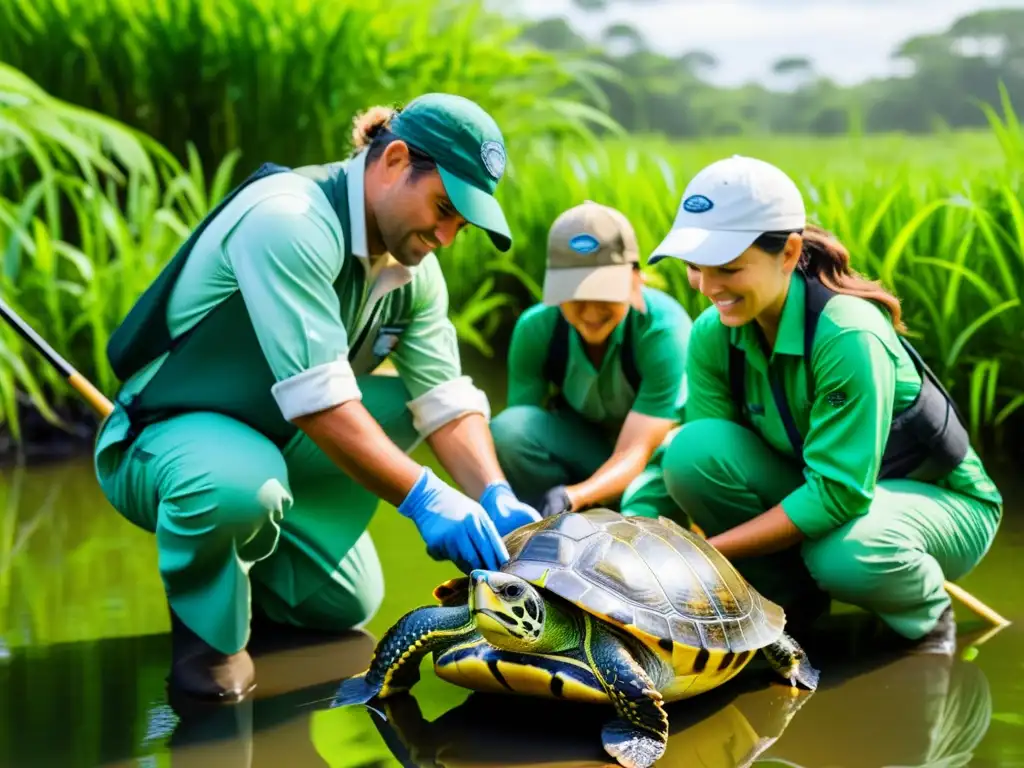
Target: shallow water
{"x":84,"y":651}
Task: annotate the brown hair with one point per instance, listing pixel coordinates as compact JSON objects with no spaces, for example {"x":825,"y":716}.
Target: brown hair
{"x":827,"y":259}
{"x":371,"y":130}
{"x":369,"y":124}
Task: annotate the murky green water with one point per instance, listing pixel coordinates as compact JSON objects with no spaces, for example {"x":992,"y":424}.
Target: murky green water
{"x":84,"y":652}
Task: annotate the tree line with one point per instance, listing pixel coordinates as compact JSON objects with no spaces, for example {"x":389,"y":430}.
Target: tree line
{"x":948,"y":74}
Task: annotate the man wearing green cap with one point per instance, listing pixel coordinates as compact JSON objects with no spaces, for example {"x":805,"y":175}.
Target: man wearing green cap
{"x":250,"y":434}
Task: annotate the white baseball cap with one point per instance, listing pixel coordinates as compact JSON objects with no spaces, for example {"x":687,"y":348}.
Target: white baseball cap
{"x":727,"y":206}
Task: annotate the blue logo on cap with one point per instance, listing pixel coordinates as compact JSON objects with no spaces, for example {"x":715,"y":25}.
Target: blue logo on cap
{"x":584,"y":244}
{"x":697,"y":204}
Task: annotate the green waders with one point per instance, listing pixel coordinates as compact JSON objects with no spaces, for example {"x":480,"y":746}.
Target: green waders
{"x":270,"y":310}
{"x":240,"y":522}
{"x":891,"y":561}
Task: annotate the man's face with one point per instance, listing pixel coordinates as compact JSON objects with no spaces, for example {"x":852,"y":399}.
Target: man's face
{"x":414,"y":215}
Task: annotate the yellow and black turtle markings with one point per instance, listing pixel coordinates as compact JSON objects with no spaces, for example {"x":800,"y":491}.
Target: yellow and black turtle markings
{"x":479,"y":666}
{"x":394,"y":667}
{"x":639,"y":733}
{"x":695,"y":669}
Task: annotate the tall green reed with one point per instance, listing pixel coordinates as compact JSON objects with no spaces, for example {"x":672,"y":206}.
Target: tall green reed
{"x":281,"y":80}
{"x":938,"y":221}
{"x":90,"y":210}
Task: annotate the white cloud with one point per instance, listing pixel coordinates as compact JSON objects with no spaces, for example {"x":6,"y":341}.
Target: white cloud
{"x":848,"y":40}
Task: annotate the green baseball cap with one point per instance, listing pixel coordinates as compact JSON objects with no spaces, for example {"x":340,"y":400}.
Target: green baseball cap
{"x":469,"y":150}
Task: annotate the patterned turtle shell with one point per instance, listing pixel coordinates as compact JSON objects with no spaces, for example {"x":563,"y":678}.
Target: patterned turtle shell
{"x":648,"y":576}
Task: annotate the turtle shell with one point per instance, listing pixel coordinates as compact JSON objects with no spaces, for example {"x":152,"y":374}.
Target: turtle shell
{"x":648,"y":576}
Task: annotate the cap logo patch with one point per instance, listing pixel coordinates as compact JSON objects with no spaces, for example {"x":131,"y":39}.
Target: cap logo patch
{"x":697,"y":204}
{"x":493,"y":155}
{"x":584,"y":243}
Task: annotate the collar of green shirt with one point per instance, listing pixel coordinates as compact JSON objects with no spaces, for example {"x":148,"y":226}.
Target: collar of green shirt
{"x":385,"y":274}
{"x":355,"y":175}
{"x":790,"y":339}
{"x":611,"y":352}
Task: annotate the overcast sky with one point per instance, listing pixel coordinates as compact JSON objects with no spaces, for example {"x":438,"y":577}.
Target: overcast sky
{"x":848,"y":40}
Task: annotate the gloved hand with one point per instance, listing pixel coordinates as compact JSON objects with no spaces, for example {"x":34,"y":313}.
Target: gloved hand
{"x":556,"y":501}
{"x":505,"y":510}
{"x":453,"y":526}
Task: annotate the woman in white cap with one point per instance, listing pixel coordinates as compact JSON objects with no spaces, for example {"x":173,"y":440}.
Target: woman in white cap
{"x":595,"y":375}
{"x":819,"y":452}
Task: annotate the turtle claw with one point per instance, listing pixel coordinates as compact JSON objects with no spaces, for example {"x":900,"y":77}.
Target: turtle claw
{"x":631,"y":746}
{"x":355,"y":690}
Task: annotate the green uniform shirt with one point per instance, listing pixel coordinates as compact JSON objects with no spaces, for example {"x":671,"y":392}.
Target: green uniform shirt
{"x":281,"y":244}
{"x":863,"y":377}
{"x":604,"y":396}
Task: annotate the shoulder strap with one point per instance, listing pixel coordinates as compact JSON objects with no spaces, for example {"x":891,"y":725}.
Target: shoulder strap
{"x":558,"y":351}
{"x":628,"y":356}
{"x":142,"y":335}
{"x":738,"y":379}
{"x":815,"y":298}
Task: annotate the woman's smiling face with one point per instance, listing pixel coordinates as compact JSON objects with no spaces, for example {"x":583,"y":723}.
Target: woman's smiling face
{"x":752,"y":284}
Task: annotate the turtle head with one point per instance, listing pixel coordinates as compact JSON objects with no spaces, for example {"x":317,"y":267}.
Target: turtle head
{"x":508,"y":610}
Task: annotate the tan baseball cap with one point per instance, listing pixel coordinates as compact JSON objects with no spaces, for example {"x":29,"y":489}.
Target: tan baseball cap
{"x":591,"y":252}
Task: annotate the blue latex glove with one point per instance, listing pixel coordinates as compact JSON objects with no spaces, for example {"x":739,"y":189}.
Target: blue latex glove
{"x":505,"y":510}
{"x":453,"y":526}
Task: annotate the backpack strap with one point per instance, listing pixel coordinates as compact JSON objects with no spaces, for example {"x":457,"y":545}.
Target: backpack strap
{"x":738,"y":380}
{"x":628,"y":356}
{"x":816,"y":297}
{"x":558,"y":352}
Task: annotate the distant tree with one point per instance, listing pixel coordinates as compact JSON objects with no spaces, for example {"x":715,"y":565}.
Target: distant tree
{"x":623,"y":39}
{"x":794,"y":71}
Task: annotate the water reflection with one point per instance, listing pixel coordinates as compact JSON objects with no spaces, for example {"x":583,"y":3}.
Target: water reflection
{"x":922,"y":710}
{"x":105,"y":704}
{"x":84,"y":653}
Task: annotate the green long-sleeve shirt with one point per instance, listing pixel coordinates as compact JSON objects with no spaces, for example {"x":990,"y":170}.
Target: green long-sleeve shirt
{"x":863,"y":376}
{"x":603,"y":395}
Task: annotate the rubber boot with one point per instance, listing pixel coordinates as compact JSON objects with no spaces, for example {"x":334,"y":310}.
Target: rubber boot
{"x":941,"y":640}
{"x":205,"y":673}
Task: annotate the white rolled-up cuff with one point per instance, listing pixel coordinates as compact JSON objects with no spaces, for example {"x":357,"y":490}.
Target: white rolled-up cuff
{"x":316,"y":389}
{"x":447,"y":402}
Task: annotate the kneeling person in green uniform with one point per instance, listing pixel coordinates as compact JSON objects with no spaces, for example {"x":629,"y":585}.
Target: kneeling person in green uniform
{"x":595,"y":375}
{"x":819,"y":452}
{"x":250,"y":435}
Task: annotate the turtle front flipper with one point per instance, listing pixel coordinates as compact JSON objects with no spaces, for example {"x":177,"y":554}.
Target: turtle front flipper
{"x":788,"y":659}
{"x":395,"y":666}
{"x":637,"y":737}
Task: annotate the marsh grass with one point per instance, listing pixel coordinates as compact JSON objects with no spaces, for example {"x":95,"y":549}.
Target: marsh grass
{"x":90,"y":210}
{"x":280,"y":81}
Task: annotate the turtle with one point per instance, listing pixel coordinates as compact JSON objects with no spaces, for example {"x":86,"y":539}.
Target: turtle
{"x":593,"y":606}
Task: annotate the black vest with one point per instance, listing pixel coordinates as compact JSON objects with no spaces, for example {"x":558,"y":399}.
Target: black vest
{"x":176,"y":388}
{"x":927,"y":441}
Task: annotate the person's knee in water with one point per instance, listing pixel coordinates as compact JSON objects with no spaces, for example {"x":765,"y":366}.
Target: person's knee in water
{"x":807,"y":359}
{"x":290,"y":292}
{"x":595,"y":374}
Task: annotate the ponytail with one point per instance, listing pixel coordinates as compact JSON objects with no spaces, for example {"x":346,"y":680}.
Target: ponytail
{"x":825,"y":258}
{"x":368,"y":125}
{"x":371,"y":131}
